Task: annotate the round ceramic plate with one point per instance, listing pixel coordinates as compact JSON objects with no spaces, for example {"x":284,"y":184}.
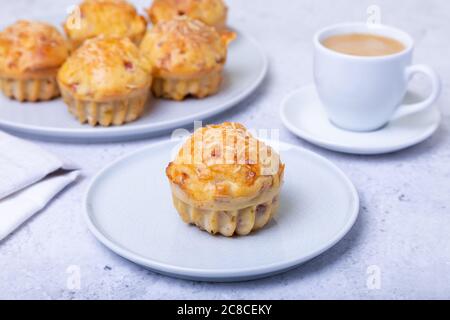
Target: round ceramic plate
{"x":303,"y":114}
{"x":244,"y":71}
{"x":128,"y":207}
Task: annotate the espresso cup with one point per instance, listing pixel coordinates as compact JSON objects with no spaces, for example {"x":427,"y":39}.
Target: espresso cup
{"x":363,"y":93}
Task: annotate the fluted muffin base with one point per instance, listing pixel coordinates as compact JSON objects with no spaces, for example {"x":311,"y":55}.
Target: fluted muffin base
{"x":106,"y":113}
{"x":178,"y":89}
{"x":35,"y":89}
{"x":228,"y":222}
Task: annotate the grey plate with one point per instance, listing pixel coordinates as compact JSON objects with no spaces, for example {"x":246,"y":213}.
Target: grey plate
{"x":244,"y":71}
{"x":129,"y":209}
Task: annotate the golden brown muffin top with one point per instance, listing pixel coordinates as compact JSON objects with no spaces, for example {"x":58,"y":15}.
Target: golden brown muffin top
{"x":184,"y":46}
{"x":104,"y":68}
{"x":116,"y":18}
{"x":224,"y":162}
{"x":31,"y":47}
{"x":211,"y":12}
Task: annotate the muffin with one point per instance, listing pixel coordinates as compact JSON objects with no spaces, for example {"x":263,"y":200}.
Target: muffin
{"x":225,"y":181}
{"x":115,"y":18}
{"x":105,"y":82}
{"x":210,"y":12}
{"x":30,"y":56}
{"x":187,"y":58}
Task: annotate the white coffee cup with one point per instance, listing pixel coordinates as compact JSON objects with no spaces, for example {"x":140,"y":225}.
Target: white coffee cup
{"x":363,"y":93}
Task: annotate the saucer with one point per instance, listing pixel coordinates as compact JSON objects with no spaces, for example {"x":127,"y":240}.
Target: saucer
{"x":303,"y":114}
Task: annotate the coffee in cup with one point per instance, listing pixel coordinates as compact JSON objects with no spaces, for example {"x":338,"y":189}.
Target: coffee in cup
{"x":363,"y":44}
{"x":361,"y":73}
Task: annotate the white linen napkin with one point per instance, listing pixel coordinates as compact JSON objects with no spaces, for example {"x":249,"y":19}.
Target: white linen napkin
{"x":29,"y":178}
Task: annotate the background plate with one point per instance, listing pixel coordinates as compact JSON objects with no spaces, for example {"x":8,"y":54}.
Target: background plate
{"x":244,"y":71}
{"x":129,"y":209}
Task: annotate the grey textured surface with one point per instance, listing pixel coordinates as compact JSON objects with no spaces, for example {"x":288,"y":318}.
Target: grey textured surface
{"x":404,"y":223}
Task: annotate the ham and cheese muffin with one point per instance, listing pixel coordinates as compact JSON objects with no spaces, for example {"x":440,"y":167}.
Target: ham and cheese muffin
{"x":225,"y":181}
{"x":30,"y":56}
{"x":210,"y":12}
{"x":105,"y":82}
{"x":187,"y":57}
{"x":110,"y":18}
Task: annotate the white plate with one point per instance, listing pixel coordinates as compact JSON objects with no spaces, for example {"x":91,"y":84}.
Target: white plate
{"x":244,"y":71}
{"x":303,"y":114}
{"x":129,"y":209}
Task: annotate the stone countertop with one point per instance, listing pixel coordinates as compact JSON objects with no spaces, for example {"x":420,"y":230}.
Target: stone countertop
{"x":403,"y":231}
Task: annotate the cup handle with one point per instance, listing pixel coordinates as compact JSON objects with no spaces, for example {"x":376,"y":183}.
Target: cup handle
{"x":435,"y":90}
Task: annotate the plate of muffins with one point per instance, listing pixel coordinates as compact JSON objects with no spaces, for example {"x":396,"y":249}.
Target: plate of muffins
{"x":113,"y":74}
{"x":220,"y":205}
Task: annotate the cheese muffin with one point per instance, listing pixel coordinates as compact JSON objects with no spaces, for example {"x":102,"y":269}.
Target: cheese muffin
{"x":115,"y":18}
{"x":30,"y":55}
{"x":225,"y":181}
{"x":105,"y":82}
{"x":187,"y":58}
{"x":211,"y":12}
